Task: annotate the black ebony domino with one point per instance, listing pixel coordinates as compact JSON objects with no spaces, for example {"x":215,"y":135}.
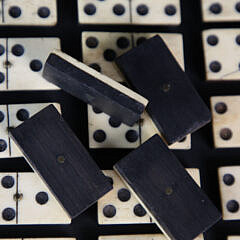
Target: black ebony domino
{"x":57,"y":155}
{"x":94,"y":88}
{"x":174,"y":105}
{"x":169,"y":194}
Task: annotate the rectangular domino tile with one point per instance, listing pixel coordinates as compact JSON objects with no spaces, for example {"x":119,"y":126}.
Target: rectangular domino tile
{"x":144,"y":237}
{"x":229,"y":182}
{"x":11,"y":116}
{"x":225,"y":121}
{"x":172,"y":98}
{"x":94,"y":88}
{"x":233,"y":238}
{"x":144,"y":12}
{"x":59,"y":238}
{"x":22,"y":63}
{"x":167,"y":192}
{"x":221,"y":52}
{"x":126,"y":207}
{"x":105,"y":132}
{"x":55,"y":153}
{"x":29,"y":12}
{"x":220,"y":10}
{"x":26,"y":200}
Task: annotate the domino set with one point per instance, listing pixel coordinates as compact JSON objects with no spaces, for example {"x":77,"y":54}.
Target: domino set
{"x":161,"y":189}
{"x":145,"y":97}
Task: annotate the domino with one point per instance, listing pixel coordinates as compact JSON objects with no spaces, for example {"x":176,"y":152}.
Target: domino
{"x":3,"y":64}
{"x":94,"y":88}
{"x":101,"y":12}
{"x":119,"y":206}
{"x":142,"y":237}
{"x":36,"y":204}
{"x":229,"y":192}
{"x":174,"y":96}
{"x":26,"y":63}
{"x":156,"y":12}
{"x":29,"y":13}
{"x":220,"y":10}
{"x":107,"y":132}
{"x":225,"y":115}
{"x":100,"y":49}
{"x":219,"y":45}
{"x":8,"y":206}
{"x":166,"y":191}
{"x":134,"y":237}
{"x":55,"y":153}
{"x":4,"y":138}
{"x":233,"y":237}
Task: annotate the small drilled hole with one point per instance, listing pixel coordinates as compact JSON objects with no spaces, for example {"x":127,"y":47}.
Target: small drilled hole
{"x":61,"y":159}
{"x":168,"y":191}
{"x":166,"y":87}
{"x":17,"y":197}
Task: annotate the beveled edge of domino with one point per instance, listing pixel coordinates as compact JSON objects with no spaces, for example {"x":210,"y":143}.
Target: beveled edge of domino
{"x":108,"y":81}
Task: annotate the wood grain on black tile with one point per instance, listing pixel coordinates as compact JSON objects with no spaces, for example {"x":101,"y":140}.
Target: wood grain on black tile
{"x":56,"y":154}
{"x":174,"y":104}
{"x":94,"y":88}
{"x":180,"y":208}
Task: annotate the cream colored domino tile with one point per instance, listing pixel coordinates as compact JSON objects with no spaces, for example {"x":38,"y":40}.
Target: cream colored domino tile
{"x":19,"y":113}
{"x":121,"y":202}
{"x":174,"y":42}
{"x":233,"y":238}
{"x":220,"y":10}
{"x":25,"y":72}
{"x":134,"y":237}
{"x":3,"y":64}
{"x":104,"y":12}
{"x":226,"y":121}
{"x":221,"y":52}
{"x":148,"y":129}
{"x":229,"y":180}
{"x":142,"y":237}
{"x":4,"y":138}
{"x":119,"y":206}
{"x":36,"y":204}
{"x":59,"y":238}
{"x":101,"y":48}
{"x":8,"y":189}
{"x":105,"y":132}
{"x":30,"y":12}
{"x":156,"y":12}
